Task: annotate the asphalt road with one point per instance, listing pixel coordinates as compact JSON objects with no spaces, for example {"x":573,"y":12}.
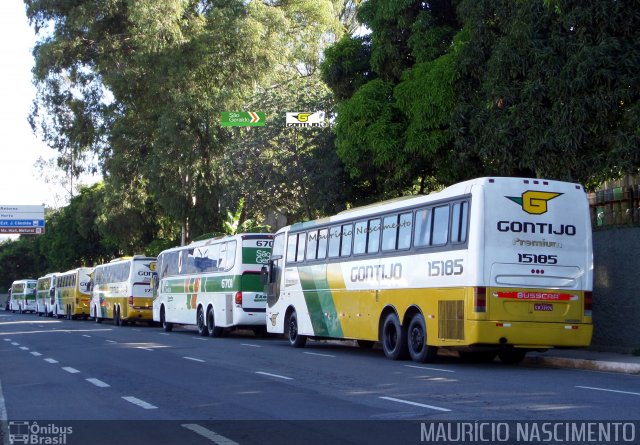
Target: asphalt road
{"x":139,"y":384}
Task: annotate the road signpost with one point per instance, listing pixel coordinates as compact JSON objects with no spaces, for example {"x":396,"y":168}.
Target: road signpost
{"x":22,"y":219}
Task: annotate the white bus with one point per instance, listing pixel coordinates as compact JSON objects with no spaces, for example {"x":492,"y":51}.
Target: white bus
{"x":213,"y":284}
{"x":23,"y":296}
{"x":492,"y":266}
{"x":122,"y":290}
{"x":46,"y":293}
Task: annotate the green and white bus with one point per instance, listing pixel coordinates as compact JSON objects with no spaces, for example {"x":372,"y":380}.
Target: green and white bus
{"x":213,"y":284}
{"x":46,"y":294}
{"x":23,"y":296}
{"x":491,"y":266}
{"x":122,"y":290}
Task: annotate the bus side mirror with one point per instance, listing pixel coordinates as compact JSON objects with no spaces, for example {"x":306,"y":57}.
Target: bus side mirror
{"x":52,"y":292}
{"x":264,"y":275}
{"x":154,"y":282}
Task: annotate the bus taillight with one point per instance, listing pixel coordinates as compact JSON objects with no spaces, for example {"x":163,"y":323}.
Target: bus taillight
{"x":588,"y":301}
{"x":131,"y":300}
{"x":480,"y":299}
{"x":239,"y":298}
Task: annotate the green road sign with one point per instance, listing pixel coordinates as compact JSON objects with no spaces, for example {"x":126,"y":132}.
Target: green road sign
{"x":243,"y":119}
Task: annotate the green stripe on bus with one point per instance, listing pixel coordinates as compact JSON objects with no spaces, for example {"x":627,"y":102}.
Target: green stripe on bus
{"x":322,"y":309}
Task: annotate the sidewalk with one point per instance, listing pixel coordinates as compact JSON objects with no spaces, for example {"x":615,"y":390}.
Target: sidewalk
{"x":586,"y":359}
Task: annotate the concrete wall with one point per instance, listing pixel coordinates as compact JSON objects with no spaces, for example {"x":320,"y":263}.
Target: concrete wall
{"x":616,"y":289}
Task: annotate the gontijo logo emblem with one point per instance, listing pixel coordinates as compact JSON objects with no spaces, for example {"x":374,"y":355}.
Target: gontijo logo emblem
{"x":534,"y":202}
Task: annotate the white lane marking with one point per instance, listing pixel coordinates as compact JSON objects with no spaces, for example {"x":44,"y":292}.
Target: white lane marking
{"x":15,"y":344}
{"x":422,"y":405}
{"x":50,"y":360}
{"x":146,"y":349}
{"x":211,"y":435}
{"x":199,"y":338}
{"x":111,"y":341}
{"x":610,"y":390}
{"x":98,"y":383}
{"x":70,"y":369}
{"x":249,"y":344}
{"x":274,"y":375}
{"x":85,"y":335}
{"x":7,"y":339}
{"x":134,"y":329}
{"x":164,"y":333}
{"x":428,"y":369}
{"x":194,"y":359}
{"x":37,"y":354}
{"x":24,"y":348}
{"x":140,"y":403}
{"x":66,"y":331}
{"x":319,"y":355}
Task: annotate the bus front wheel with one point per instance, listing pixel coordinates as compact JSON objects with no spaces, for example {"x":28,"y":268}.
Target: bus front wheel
{"x":394,"y":338}
{"x":203,"y":331}
{"x":168,"y":327}
{"x":512,"y":356}
{"x":295,"y":339}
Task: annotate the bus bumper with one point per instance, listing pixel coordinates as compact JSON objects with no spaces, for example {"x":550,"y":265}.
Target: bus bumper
{"x":138,"y":314}
{"x":528,"y":335}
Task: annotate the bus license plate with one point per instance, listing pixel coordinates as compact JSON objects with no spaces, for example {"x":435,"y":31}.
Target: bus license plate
{"x":543,"y":307}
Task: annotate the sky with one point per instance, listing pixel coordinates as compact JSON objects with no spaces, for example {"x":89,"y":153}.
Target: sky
{"x":21,"y":183}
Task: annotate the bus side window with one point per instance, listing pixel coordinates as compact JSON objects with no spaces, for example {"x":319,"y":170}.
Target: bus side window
{"x":292,"y":247}
{"x":422,"y":233}
{"x":322,"y":243}
{"x":347,"y":236}
{"x":389,"y":232}
{"x":440,"y":225}
{"x":404,"y":230}
{"x":302,"y":238}
{"x":459,"y":218}
{"x":231,"y":254}
{"x":360,"y":238}
{"x":373,"y":236}
{"x":312,"y":245}
{"x":335,"y":236}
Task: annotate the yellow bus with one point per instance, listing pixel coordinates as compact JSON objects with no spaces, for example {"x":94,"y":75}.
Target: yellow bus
{"x":72,"y":294}
{"x":491,"y":266}
{"x":122,"y":290}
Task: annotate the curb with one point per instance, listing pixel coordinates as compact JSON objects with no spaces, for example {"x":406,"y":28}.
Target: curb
{"x":591,"y":365}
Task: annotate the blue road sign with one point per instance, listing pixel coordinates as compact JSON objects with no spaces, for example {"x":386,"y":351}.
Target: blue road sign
{"x":21,"y":222}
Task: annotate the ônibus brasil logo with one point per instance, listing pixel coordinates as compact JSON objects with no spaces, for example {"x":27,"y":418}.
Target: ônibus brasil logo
{"x":534,"y":202}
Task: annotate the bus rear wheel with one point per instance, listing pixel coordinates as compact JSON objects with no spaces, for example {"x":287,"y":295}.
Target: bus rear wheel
{"x":295,"y":339}
{"x":394,"y":338}
{"x":419,"y":350}
{"x":512,"y":356}
{"x":214,"y":331}
{"x":203,"y":331}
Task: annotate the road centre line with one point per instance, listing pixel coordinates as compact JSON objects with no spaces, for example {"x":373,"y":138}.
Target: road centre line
{"x":146,"y":349}
{"x":318,"y":354}
{"x":85,"y":335}
{"x":50,"y":360}
{"x":429,"y":369}
{"x":24,"y":348}
{"x":274,"y":375}
{"x":70,"y":370}
{"x":200,"y":338}
{"x":111,"y":341}
{"x":50,"y":331}
{"x":7,"y":339}
{"x":211,"y":435}
{"x":610,"y":390}
{"x":194,"y":359}
{"x":36,"y":354}
{"x":422,"y":405}
{"x":98,"y":383}
{"x":15,"y":343}
{"x":249,"y":344}
{"x":140,"y":403}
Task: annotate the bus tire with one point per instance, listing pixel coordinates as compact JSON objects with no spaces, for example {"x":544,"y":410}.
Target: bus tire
{"x":512,"y":356}
{"x":365,"y":344}
{"x":394,"y":338}
{"x":419,"y":350}
{"x":203,"y":331}
{"x":214,"y":331}
{"x":116,"y":316}
{"x":295,"y":339}
{"x":168,"y":327}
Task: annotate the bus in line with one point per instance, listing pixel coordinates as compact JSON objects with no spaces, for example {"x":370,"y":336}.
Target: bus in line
{"x":491,"y":266}
{"x":72,"y":294}
{"x":23,"y":296}
{"x":122,"y":291}
{"x":213,"y":284}
{"x":46,"y":291}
